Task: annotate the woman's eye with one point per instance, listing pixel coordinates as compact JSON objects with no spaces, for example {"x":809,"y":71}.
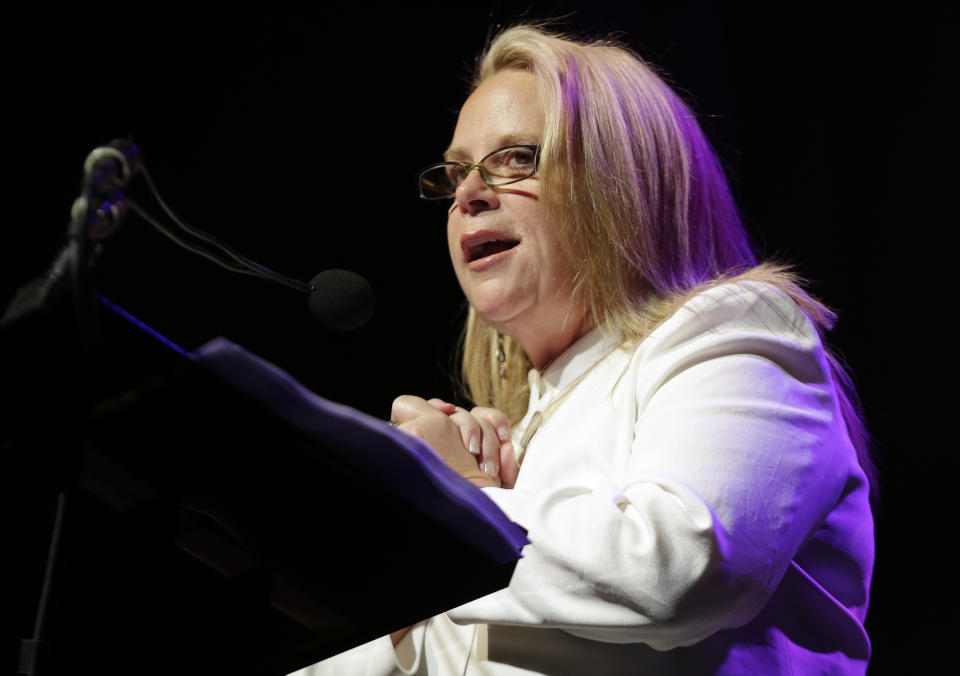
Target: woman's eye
{"x":511,"y":162}
{"x":517,"y":160}
{"x":522,"y":157}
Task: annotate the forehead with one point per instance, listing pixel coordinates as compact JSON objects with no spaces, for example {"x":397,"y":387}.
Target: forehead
{"x":504,"y":110}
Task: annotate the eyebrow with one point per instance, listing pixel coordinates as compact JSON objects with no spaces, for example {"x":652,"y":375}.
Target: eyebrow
{"x":453,"y":154}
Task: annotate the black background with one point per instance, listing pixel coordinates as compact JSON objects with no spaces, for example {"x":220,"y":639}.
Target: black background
{"x":297,"y":137}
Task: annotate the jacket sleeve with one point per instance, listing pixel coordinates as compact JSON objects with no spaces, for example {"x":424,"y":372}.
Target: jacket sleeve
{"x":738,"y":454}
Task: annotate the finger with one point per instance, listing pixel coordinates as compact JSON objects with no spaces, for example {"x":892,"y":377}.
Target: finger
{"x":497,"y":419}
{"x":509,"y":469}
{"x":490,"y":449}
{"x":442,"y":406}
{"x":407,"y":407}
{"x":470,"y":430}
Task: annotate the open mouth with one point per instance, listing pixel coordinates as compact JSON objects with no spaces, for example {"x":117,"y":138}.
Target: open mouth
{"x":489,"y":247}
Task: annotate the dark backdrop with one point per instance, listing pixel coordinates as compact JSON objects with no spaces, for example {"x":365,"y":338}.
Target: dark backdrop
{"x":297,"y":139}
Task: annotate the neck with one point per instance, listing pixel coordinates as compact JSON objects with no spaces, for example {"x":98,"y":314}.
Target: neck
{"x":543,"y":345}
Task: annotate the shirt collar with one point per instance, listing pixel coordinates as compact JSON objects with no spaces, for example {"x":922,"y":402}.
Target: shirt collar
{"x":573,"y":362}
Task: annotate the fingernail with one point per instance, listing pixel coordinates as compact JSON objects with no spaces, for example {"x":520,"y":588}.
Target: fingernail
{"x":489,"y":467}
{"x":474,"y":446}
{"x":504,"y":433}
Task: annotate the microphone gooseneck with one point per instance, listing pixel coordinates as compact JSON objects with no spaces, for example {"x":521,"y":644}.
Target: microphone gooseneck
{"x":339,"y":299}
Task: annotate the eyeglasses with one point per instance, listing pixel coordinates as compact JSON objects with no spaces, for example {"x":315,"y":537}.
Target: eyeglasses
{"x":501,"y":167}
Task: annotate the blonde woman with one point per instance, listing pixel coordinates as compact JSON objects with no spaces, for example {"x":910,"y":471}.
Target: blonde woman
{"x":655,"y":407}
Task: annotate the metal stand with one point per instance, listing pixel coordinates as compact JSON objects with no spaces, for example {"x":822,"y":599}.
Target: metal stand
{"x":65,"y":292}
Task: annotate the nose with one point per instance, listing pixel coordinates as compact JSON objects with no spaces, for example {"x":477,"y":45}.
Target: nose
{"x":474,"y":196}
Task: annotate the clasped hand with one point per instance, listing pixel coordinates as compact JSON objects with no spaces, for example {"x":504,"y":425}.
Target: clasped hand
{"x":475,"y":444}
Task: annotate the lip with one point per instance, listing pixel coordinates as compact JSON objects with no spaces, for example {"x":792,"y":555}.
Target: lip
{"x":481,"y":264}
{"x":474,"y":242}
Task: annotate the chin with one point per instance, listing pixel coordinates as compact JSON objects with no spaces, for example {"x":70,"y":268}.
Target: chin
{"x":495,"y":316}
{"x":493,"y":299}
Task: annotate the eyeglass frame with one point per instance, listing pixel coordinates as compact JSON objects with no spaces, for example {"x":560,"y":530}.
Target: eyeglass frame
{"x":535,"y":147}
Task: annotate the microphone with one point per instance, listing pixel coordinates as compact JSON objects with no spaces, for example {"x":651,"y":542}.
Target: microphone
{"x":340,"y":299}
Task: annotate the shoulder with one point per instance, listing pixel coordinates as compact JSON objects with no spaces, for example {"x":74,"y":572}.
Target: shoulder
{"x":743,"y":305}
{"x":743,"y":318}
{"x":738,"y":307}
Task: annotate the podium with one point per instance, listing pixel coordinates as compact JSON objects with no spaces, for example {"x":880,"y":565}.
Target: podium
{"x":224,"y":519}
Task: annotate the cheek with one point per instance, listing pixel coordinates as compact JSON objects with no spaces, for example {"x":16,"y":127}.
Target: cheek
{"x":453,"y":245}
{"x":556,"y":274}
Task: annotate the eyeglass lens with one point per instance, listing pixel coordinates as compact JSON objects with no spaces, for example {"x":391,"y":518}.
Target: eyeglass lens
{"x":503,"y":166}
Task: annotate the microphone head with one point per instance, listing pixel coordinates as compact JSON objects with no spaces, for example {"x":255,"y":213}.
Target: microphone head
{"x":341,"y":299}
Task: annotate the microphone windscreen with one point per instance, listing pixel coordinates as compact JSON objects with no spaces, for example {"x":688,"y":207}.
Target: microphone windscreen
{"x":341,"y":299}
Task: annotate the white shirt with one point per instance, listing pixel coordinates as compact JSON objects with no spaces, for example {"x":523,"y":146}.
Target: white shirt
{"x":694,"y":505}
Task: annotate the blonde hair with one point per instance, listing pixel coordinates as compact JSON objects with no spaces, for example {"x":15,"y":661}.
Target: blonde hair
{"x":639,"y":202}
